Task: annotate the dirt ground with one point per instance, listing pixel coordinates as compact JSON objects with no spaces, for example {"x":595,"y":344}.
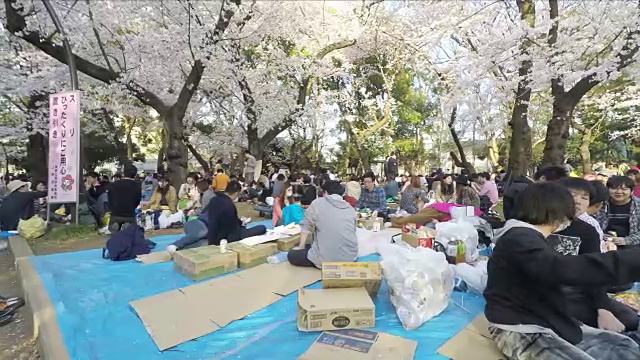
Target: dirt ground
{"x":16,"y":341}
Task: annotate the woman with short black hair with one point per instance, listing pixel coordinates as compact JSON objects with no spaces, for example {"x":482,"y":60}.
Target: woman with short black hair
{"x":526,"y":307}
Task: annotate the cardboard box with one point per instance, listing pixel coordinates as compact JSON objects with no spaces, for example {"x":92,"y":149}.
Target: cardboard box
{"x":334,"y":309}
{"x":359,"y":345}
{"x":288,"y":243}
{"x":250,"y":256}
{"x":472,"y":343}
{"x":352,"y":275}
{"x":368,"y":223}
{"x":205,"y":262}
{"x":210,"y":305}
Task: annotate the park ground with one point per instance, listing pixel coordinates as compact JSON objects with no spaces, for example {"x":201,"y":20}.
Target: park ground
{"x":16,"y":342}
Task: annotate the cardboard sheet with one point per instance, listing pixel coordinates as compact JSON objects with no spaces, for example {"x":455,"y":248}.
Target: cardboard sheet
{"x":170,"y":328}
{"x":472,"y":343}
{"x":359,"y":345}
{"x":282,"y":279}
{"x":261,"y":239}
{"x":206,"y":307}
{"x":154,"y":257}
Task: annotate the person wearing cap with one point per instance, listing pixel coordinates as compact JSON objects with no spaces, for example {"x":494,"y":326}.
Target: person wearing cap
{"x":18,"y":204}
{"x":331,"y":222}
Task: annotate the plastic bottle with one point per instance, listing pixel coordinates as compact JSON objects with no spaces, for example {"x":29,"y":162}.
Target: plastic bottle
{"x":223,"y":246}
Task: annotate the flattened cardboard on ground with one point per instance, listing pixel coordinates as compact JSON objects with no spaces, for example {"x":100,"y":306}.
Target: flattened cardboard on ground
{"x":360,"y":345}
{"x":472,"y":343}
{"x":227,"y":299}
{"x":170,"y":328}
{"x":334,"y":309}
{"x":282,"y":279}
{"x":352,"y":274}
{"x":250,"y":256}
{"x":206,"y":307}
{"x":205,"y":262}
{"x":154,"y":257}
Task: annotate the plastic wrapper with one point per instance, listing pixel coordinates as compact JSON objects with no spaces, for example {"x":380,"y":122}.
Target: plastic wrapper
{"x":420,"y":282}
{"x":32,"y":228}
{"x":459,"y":229}
{"x":475,"y":276}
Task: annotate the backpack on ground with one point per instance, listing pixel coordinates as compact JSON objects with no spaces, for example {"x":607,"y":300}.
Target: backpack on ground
{"x":127,"y":244}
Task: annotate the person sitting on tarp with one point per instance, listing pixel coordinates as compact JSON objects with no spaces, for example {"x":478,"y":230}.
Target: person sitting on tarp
{"x":372,"y":197}
{"x":222,"y":220}
{"x":18,"y":204}
{"x":590,"y":306}
{"x":97,"y":200}
{"x":331,"y":221}
{"x":124,"y":197}
{"x":164,"y":197}
{"x":309,"y":191}
{"x":526,"y":308}
{"x":293,"y":213}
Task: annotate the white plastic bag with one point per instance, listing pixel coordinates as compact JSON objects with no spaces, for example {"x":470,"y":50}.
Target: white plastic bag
{"x":475,"y":276}
{"x":459,"y":230}
{"x":420,"y":282}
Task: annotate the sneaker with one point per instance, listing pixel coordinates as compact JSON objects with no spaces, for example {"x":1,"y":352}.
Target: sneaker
{"x":13,"y":302}
{"x":104,"y":231}
{"x":5,"y":318}
{"x":172,"y":249}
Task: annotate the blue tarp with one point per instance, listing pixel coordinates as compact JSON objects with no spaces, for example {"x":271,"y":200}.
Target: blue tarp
{"x":91,"y":297}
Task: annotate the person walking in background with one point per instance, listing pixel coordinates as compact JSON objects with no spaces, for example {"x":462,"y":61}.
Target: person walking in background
{"x":249,"y":167}
{"x":391,"y":166}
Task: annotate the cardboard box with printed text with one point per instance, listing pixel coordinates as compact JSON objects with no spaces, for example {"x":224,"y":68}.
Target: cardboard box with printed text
{"x":250,"y":256}
{"x":205,"y":262}
{"x":351,"y":275}
{"x":357,"y":344}
{"x":334,"y":309}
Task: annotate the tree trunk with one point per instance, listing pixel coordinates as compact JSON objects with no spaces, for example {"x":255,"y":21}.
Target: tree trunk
{"x":520,"y":144}
{"x":201,"y":160}
{"x":161,"y":152}
{"x":494,"y":152}
{"x":257,"y":144}
{"x":555,"y":146}
{"x":462,"y":161}
{"x":36,"y":162}
{"x":585,"y":153}
{"x":176,"y":151}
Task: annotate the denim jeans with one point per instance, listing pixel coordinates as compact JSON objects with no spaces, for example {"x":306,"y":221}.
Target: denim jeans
{"x":195,"y":231}
{"x":595,"y":345}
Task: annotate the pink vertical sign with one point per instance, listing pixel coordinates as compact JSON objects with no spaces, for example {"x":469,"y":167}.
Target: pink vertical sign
{"x":64,"y":149}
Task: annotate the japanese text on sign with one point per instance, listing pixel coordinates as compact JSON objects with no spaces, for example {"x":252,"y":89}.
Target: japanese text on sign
{"x":64,"y":146}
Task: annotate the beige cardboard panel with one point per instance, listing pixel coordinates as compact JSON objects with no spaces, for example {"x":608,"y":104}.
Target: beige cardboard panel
{"x":385,"y":347}
{"x":227,"y":299}
{"x":282,"y":279}
{"x":170,"y":328}
{"x":154,"y":257}
{"x":472,"y":343}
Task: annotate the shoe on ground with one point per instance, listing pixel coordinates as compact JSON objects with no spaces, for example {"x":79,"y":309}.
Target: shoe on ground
{"x":104,"y":231}
{"x":171,"y":249}
{"x":5,"y":318}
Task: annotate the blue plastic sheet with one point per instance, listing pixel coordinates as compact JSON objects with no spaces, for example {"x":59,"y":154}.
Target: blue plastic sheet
{"x":91,"y":297}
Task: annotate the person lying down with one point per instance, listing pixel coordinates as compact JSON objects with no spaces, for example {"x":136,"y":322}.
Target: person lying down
{"x":525,"y":303}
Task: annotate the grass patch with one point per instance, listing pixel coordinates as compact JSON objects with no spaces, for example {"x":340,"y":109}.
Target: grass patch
{"x":70,"y":232}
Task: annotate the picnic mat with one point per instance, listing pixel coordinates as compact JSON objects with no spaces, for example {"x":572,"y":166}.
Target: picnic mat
{"x":91,"y":297}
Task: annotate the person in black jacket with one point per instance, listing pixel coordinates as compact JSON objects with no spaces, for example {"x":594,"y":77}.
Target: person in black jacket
{"x":309,"y":191}
{"x":18,"y":204}
{"x":223,"y":222}
{"x":526,"y":307}
{"x":510,"y":197}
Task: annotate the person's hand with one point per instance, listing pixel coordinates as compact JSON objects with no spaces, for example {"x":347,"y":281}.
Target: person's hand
{"x":619,"y":241}
{"x":607,"y":321}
